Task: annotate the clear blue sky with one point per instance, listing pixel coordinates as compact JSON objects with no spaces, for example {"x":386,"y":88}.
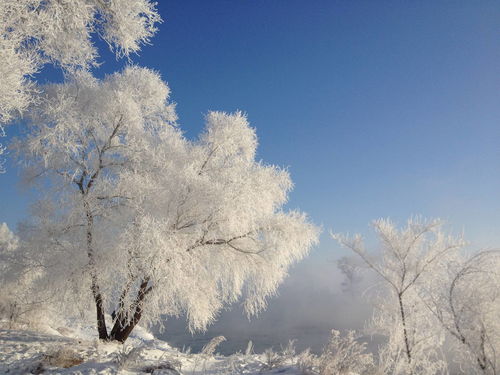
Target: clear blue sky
{"x":378,"y":108}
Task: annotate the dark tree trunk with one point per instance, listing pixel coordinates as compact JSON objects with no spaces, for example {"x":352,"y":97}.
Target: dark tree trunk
{"x":101,"y":322}
{"x":96,"y":291}
{"x":405,"y":331}
{"x":124,"y":324}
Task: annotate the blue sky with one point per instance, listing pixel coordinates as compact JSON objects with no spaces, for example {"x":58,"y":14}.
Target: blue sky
{"x":377,"y":108}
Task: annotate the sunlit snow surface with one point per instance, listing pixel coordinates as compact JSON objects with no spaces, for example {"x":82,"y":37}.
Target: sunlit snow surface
{"x":25,"y":351}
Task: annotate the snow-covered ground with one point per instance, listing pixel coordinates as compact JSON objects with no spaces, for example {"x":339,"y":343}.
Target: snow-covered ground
{"x":66,"y":351}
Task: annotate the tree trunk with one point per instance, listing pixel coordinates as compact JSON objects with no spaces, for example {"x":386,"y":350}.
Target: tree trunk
{"x":124,"y":325}
{"x":101,"y":322}
{"x":96,"y":292}
{"x":405,"y":331}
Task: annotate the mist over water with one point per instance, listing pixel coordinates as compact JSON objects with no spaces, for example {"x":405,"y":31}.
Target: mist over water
{"x":310,"y":304}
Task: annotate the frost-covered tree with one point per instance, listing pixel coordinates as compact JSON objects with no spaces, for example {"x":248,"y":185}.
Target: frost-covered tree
{"x":352,"y":269}
{"x":8,"y":244}
{"x":409,"y":257}
{"x":35,"y":32}
{"x":144,"y":222}
{"x":62,"y":32}
{"x":8,"y":240}
{"x":14,"y":281}
{"x":467,"y":303}
{"x":82,"y":134}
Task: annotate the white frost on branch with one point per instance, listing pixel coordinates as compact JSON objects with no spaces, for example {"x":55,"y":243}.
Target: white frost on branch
{"x":409,"y":260}
{"x":61,"y":32}
{"x":143,"y":222}
{"x":466,"y":300}
{"x":14,"y":281}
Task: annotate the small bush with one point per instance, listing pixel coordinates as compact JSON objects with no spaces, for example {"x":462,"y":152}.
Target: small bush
{"x":162,"y":368}
{"x":62,"y":358}
{"x":209,"y":349}
{"x":274,"y":359}
{"x":127,"y":356}
{"x":341,"y":356}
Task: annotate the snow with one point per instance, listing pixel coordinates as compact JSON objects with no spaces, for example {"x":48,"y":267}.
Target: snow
{"x":48,"y":350}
